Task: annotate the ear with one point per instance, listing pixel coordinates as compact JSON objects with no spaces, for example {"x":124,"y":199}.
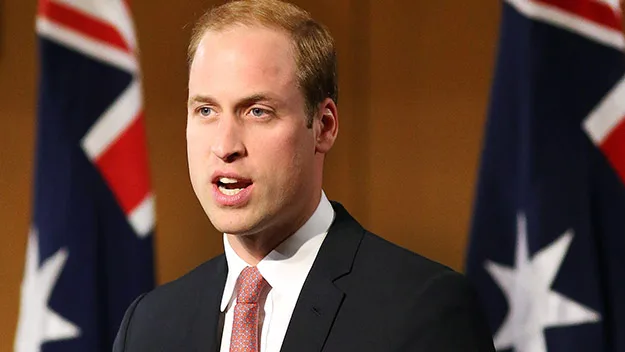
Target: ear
{"x":326,"y":126}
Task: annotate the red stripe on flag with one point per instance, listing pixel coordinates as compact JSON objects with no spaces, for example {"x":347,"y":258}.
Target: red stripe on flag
{"x":124,"y":166}
{"x":614,"y":148}
{"x":83,"y":23}
{"x":591,"y":10}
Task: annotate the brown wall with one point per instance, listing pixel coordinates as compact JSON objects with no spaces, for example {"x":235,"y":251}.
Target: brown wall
{"x":414,"y":80}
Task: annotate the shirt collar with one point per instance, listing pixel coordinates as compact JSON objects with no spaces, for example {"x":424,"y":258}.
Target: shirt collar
{"x":287,"y":266}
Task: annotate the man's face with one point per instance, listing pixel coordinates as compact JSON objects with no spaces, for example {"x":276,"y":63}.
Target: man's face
{"x":252,"y":160}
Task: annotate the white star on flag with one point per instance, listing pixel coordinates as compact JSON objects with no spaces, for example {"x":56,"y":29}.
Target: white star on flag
{"x":533,"y":305}
{"x":37,"y":322}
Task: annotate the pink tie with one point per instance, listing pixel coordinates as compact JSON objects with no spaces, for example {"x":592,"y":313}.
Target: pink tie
{"x":245,"y":326}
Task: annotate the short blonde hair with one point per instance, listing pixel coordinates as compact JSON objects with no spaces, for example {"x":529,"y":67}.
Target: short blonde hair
{"x":315,"y":53}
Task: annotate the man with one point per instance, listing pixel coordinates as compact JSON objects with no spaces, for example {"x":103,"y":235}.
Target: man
{"x":298,"y":273}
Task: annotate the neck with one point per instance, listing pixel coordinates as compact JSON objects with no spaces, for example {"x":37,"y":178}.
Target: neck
{"x":252,"y":248}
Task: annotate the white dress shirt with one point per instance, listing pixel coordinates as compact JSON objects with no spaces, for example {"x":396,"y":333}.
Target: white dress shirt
{"x":285,"y":269}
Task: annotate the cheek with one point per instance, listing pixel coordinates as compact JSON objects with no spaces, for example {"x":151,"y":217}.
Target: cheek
{"x":283,"y":144}
{"x":199,"y":137}
{"x":291,"y":154}
{"x":197,"y":146}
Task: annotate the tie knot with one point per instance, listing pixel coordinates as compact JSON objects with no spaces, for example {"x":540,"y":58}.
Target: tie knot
{"x":251,"y":283}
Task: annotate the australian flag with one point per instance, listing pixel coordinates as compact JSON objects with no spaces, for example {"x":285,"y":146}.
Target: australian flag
{"x":547,"y":241}
{"x":89,"y":249}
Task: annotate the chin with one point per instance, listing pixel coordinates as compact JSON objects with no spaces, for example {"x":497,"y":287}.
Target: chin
{"x":232,"y":229}
{"x":242,"y":221}
{"x":231,"y":224}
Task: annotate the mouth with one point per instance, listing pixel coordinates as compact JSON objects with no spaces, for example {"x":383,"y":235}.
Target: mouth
{"x":231,"y":186}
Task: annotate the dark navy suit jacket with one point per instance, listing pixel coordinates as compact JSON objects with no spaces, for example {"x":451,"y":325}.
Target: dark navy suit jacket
{"x":363,"y":293}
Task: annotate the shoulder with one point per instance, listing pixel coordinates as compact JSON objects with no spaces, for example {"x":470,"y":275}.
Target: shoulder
{"x":162,"y":314}
{"x":187,"y":285}
{"x":181,"y":295}
{"x":371,"y":257}
{"x":421,"y":302}
{"x":400,"y":264}
{"x":400,"y":277}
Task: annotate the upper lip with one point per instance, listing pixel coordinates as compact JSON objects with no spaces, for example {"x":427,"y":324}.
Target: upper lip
{"x":229,"y":174}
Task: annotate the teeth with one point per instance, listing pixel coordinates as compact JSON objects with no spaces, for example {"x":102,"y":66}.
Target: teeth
{"x":230,"y":192}
{"x":227,"y":180}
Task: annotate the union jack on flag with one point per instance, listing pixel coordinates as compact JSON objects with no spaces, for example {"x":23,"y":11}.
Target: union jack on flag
{"x":89,"y":251}
{"x":547,"y":241}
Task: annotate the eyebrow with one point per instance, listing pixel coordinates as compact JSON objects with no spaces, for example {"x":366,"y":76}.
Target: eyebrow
{"x":201,"y":99}
{"x":244,"y":102}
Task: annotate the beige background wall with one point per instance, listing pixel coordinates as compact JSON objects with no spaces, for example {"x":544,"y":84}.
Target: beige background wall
{"x":414,"y":80}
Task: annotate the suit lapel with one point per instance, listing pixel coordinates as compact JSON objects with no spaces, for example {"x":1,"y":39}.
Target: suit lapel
{"x":320,"y":299}
{"x":205,"y":332}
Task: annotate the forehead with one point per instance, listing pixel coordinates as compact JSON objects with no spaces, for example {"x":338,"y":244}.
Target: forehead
{"x":242,"y":55}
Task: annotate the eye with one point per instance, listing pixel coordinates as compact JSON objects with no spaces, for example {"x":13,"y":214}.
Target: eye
{"x":205,"y":111}
{"x":258,"y":112}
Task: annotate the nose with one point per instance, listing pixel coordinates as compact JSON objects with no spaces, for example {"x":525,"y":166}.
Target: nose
{"x":228,"y":145}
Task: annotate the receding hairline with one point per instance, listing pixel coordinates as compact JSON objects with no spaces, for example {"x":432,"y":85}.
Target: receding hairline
{"x":267,"y":13}
{"x":251,"y":24}
{"x":195,"y":44}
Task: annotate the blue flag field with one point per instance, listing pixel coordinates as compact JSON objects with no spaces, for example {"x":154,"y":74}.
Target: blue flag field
{"x":90,"y":246}
{"x":547,"y":242}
